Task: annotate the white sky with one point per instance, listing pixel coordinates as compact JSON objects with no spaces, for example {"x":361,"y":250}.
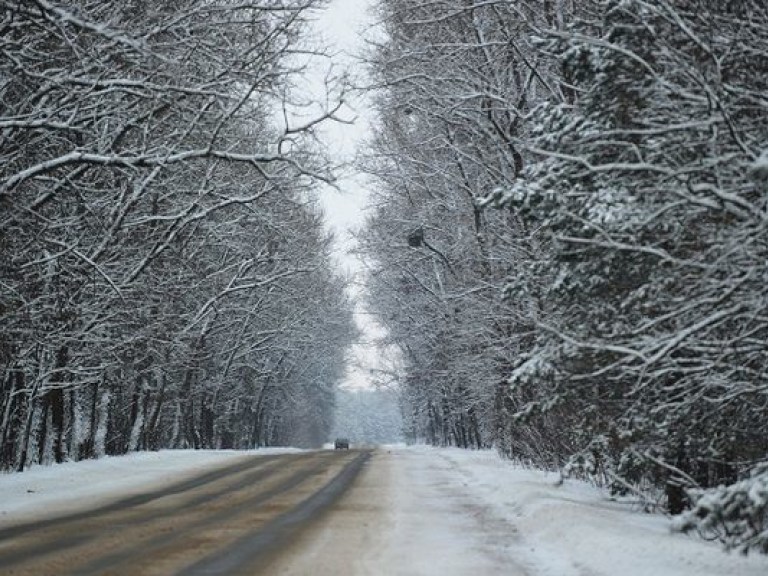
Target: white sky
{"x":340,"y":27}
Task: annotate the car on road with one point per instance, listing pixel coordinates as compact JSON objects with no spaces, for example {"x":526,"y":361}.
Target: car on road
{"x":341,"y":444}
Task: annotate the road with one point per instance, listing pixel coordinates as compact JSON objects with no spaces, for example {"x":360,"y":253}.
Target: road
{"x":356,"y":512}
{"x":399,"y":511}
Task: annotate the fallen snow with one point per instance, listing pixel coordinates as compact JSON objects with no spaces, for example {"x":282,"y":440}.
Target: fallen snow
{"x":758,"y":170}
{"x":438,"y":512}
{"x":575,"y":530}
{"x":54,"y":490}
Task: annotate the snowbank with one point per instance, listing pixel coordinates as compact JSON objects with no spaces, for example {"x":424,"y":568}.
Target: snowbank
{"x":575,"y":530}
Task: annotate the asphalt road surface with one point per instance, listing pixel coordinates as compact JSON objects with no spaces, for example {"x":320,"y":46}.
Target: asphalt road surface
{"x":324,"y":513}
{"x":233,"y":520}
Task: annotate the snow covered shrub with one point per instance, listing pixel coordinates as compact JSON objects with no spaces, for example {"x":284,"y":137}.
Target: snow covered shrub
{"x":592,"y":463}
{"x":737,"y":515}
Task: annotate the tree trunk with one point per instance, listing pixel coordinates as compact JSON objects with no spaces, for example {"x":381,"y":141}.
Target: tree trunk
{"x":10,"y":425}
{"x":151,"y":440}
{"x":53,"y":402}
{"x":677,"y":501}
{"x":42,"y":434}
{"x":207,"y":418}
{"x":27,"y":432}
{"x":56,"y":399}
{"x":88,"y":447}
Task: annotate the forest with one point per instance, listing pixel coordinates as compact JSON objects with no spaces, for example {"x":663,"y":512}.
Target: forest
{"x":568,"y":240}
{"x":567,"y":243}
{"x":165,"y":276}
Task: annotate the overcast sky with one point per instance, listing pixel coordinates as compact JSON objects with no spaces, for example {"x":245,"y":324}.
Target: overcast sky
{"x":340,"y":27}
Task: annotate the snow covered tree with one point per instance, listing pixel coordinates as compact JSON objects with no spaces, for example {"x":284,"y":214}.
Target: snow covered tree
{"x":647,"y":195}
{"x":623,"y":145}
{"x":736,"y":514}
{"x":456,"y":80}
{"x":145,"y":183}
{"x":368,"y":416}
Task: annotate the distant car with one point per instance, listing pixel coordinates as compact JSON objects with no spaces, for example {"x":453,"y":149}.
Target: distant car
{"x":341,"y":444}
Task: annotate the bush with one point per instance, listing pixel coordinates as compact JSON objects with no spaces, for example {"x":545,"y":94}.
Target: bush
{"x":737,"y":515}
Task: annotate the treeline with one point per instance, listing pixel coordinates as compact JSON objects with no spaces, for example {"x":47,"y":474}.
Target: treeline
{"x":569,"y":242}
{"x":165,"y":280}
{"x":368,"y":416}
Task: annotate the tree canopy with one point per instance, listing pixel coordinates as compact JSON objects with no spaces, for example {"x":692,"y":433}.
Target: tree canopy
{"x":590,"y":180}
{"x":165,"y":276}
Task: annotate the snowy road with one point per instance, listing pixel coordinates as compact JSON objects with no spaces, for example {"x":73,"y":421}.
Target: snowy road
{"x":407,"y":515}
{"x":388,"y":512}
{"x":305,"y":513}
{"x":227,"y":521}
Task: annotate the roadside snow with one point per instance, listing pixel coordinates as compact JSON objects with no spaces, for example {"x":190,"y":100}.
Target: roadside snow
{"x":437,"y":526}
{"x":574,"y":530}
{"x":45,"y":491}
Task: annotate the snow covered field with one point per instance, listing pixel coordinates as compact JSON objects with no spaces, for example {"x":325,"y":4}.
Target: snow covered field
{"x":446,"y":512}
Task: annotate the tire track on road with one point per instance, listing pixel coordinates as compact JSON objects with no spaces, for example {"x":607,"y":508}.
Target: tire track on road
{"x":242,"y":556}
{"x":36,"y":539}
{"x":139,"y":499}
{"x":221,"y":522}
{"x":192,"y":540}
{"x":115,"y":537}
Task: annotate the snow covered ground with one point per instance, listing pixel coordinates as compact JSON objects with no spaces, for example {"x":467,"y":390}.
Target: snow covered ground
{"x":442,"y":511}
{"x":46,"y":491}
{"x":574,"y":530}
